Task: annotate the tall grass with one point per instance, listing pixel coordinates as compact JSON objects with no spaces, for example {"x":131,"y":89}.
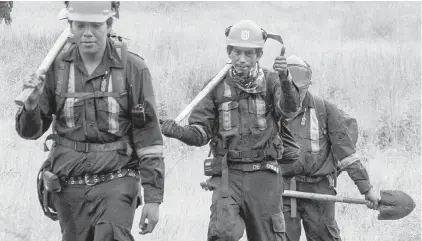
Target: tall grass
{"x":365,"y":58}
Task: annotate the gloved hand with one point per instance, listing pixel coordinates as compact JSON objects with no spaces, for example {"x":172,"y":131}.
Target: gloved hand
{"x":373,"y":197}
{"x":171,"y":129}
{"x":280,"y":66}
{"x":37,"y":83}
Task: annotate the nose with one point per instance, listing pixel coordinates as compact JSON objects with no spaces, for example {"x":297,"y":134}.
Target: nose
{"x":87,"y":31}
{"x":242,"y":58}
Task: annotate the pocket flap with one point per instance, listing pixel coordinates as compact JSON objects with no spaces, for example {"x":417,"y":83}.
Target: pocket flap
{"x":279,"y":225}
{"x":228,"y":105}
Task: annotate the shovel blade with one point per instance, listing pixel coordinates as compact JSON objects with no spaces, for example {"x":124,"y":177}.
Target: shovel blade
{"x":394,"y":205}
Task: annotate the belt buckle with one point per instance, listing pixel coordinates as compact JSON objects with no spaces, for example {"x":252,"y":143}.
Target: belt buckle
{"x":86,"y":177}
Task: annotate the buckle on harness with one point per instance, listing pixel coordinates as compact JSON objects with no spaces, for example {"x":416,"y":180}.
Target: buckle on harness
{"x":87,"y":180}
{"x":80,"y":146}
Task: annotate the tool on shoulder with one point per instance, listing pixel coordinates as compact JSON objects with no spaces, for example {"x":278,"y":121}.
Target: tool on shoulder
{"x":45,"y":65}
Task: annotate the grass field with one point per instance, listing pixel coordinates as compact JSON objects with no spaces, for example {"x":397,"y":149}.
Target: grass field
{"x":365,"y":56}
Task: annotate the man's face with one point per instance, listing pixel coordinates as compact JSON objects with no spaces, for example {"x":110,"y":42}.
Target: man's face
{"x":243,"y":59}
{"x":90,"y":37}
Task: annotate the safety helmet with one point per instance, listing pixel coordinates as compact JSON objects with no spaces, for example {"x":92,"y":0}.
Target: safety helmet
{"x":300,"y":70}
{"x":92,"y":11}
{"x":246,"y":33}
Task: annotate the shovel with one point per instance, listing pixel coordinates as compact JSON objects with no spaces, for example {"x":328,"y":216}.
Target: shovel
{"x":393,"y":205}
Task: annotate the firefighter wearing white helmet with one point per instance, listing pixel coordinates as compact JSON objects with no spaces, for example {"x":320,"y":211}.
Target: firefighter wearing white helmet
{"x":240,"y":118}
{"x":106,"y":134}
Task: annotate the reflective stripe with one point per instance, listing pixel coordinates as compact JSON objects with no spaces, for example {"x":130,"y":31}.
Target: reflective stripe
{"x":347,"y":161}
{"x":314,"y":128}
{"x":226,"y":115}
{"x":227,"y":90}
{"x":69,"y":104}
{"x":156,"y":150}
{"x":260,"y":112}
{"x":113,"y":110}
{"x":203,"y":133}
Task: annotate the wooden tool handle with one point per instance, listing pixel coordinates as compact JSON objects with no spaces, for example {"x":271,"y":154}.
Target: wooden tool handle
{"x":45,"y":64}
{"x":210,"y":86}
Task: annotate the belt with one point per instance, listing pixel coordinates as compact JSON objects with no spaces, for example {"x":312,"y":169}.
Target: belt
{"x":91,"y":147}
{"x":305,"y":179}
{"x":245,"y":156}
{"x":251,"y":167}
{"x":91,"y":180}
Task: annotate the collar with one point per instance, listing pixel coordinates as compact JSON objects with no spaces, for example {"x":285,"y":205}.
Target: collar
{"x":110,"y":55}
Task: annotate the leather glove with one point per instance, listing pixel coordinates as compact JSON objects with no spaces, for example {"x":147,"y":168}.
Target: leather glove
{"x":171,"y":129}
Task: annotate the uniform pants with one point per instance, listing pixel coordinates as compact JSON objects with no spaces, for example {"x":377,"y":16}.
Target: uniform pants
{"x":318,"y":217}
{"x":5,"y":13}
{"x":103,"y":212}
{"x":254,"y":203}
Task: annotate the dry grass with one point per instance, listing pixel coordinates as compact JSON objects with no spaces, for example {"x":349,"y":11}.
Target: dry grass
{"x":369,"y":66}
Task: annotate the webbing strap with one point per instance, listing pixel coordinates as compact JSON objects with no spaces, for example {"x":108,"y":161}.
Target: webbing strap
{"x":90,"y":95}
{"x":88,"y":147}
{"x":224,"y":178}
{"x":293,"y":201}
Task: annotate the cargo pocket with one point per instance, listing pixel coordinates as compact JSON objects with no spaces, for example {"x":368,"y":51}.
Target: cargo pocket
{"x":228,"y":115}
{"x":257,"y":108}
{"x":279,"y":226}
{"x":108,"y":114}
{"x":334,"y":231}
{"x":72,"y":112}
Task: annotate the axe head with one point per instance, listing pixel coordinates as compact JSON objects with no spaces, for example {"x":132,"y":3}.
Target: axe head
{"x":278,"y":38}
{"x":394,"y":205}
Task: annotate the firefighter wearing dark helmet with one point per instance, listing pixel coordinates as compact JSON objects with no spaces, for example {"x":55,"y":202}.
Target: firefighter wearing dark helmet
{"x":239,"y":116}
{"x":106,"y":135}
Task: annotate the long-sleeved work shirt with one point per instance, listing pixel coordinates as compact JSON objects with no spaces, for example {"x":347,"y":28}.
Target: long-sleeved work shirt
{"x":318,"y":145}
{"x":99,"y":120}
{"x":244,"y":123}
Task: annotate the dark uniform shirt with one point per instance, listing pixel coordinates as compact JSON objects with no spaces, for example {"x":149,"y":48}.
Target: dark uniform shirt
{"x":93,"y":121}
{"x":248,"y":124}
{"x":316,"y":156}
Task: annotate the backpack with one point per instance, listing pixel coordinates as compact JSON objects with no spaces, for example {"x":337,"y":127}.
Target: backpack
{"x":352,"y":125}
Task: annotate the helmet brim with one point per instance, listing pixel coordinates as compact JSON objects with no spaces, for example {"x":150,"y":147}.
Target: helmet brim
{"x":96,"y":18}
{"x":244,"y":44}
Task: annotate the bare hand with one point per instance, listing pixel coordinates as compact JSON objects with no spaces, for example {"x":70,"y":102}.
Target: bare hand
{"x":37,"y":83}
{"x":150,"y":212}
{"x":211,"y":184}
{"x":280,"y":65}
{"x":373,"y":197}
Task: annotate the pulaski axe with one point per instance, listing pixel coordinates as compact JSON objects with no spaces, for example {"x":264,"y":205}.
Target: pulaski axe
{"x":45,"y":64}
{"x":210,"y":86}
{"x":393,"y":205}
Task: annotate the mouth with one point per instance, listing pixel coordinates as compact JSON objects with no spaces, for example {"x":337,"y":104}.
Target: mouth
{"x":88,"y":42}
{"x":244,"y":68}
